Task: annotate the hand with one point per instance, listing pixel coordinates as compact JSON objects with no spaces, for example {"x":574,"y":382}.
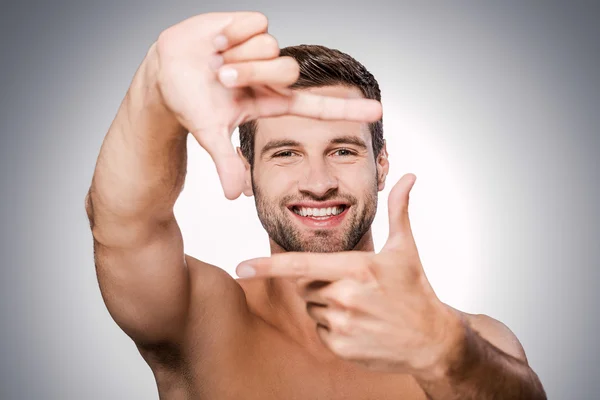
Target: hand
{"x":378,"y":310}
{"x":193,"y":58}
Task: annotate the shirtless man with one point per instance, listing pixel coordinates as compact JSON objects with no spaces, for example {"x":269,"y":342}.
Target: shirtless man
{"x":324,"y":317}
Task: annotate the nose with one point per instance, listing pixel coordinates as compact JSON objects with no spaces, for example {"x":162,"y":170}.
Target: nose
{"x":317,"y":179}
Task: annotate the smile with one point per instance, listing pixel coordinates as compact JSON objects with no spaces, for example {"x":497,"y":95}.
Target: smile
{"x":319,"y":213}
{"x":328,"y":217}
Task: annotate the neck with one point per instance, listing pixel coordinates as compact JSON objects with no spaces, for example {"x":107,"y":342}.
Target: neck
{"x":287,"y":310}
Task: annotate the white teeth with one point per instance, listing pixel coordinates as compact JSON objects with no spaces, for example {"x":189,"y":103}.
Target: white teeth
{"x":318,"y":212}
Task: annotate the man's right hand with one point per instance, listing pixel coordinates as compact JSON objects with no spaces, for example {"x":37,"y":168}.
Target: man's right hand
{"x":193,"y":61}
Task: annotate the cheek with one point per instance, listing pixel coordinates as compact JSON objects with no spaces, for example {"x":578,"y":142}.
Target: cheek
{"x":357,"y":179}
{"x":281,"y":179}
{"x":273,"y":185}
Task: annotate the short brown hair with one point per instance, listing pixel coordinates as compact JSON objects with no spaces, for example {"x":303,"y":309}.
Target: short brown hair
{"x":321,"y":66}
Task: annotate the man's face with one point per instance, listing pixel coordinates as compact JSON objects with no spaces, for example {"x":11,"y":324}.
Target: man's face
{"x":315,"y":182}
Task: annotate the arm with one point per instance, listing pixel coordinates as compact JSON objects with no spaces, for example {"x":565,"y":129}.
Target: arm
{"x":145,"y":279}
{"x":486,"y":362}
{"x":138,"y":247}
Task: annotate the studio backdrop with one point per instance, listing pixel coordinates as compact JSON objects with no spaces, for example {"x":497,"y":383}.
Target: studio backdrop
{"x":492,"y":105}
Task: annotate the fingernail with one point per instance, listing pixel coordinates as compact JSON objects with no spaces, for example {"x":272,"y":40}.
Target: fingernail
{"x":220,"y":42}
{"x":215,"y":62}
{"x":228,"y":76}
{"x":245,"y":271}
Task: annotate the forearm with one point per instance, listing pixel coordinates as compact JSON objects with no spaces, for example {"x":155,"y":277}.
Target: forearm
{"x":141,"y":167}
{"x":479,"y":370}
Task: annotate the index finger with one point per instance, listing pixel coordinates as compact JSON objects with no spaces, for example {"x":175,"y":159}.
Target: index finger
{"x":319,"y":266}
{"x":334,"y":108}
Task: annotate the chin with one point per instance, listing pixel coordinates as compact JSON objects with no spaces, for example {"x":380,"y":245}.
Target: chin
{"x":322,"y":244}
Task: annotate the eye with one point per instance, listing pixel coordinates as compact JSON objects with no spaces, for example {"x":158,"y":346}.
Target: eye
{"x":284,"y":154}
{"x":345,"y":152}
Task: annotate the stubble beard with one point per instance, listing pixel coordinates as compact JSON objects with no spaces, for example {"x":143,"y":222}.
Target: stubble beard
{"x":276,"y":220}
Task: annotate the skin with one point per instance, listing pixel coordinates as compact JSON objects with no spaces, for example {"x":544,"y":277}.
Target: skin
{"x":207,"y":335}
{"x":316,"y":171}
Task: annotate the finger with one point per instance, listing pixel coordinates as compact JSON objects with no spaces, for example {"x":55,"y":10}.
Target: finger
{"x":398,"y":200}
{"x":242,"y":27}
{"x":317,"y":266}
{"x":230,"y":167}
{"x":319,"y":313}
{"x":259,"y":47}
{"x":334,"y":108}
{"x":311,"y":290}
{"x":273,"y":91}
{"x":335,"y":320}
{"x":281,"y":71}
{"x":323,"y":332}
{"x":309,"y":105}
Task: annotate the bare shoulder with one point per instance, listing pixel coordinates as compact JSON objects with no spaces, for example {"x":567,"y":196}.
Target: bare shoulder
{"x":497,"y":333}
{"x":213,"y":289}
{"x":218,"y":313}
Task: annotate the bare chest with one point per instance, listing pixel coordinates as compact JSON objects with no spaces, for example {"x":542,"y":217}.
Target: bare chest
{"x":271,"y":382}
{"x":267,"y":367}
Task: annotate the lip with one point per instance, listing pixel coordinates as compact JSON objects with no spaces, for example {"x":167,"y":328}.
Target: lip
{"x":330,"y":222}
{"x":321,"y":204}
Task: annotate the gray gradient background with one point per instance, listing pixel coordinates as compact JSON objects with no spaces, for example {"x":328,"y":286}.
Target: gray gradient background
{"x":511,"y":90}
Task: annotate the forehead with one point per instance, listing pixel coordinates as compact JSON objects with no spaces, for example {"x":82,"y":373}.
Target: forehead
{"x":310,"y":131}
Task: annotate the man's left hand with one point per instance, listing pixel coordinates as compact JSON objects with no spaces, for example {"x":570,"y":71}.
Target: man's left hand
{"x":376,"y":309}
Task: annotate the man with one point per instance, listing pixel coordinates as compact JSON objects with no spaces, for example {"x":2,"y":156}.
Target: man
{"x":323,"y":318}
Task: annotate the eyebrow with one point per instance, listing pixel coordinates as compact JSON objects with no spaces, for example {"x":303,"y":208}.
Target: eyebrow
{"x":347,"y":139}
{"x":275,"y":144}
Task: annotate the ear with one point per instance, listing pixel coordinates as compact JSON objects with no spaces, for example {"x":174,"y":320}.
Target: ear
{"x":247,"y":174}
{"x":383,"y":166}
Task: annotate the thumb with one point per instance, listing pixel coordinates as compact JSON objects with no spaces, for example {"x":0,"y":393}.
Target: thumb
{"x":229,"y":165}
{"x":398,"y":209}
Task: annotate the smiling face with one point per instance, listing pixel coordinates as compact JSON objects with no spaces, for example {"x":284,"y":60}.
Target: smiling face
{"x":315,"y":182}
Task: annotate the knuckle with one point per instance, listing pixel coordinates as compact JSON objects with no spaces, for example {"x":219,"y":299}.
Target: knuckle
{"x":373,"y":269}
{"x":340,"y":347}
{"x":290,"y":68}
{"x":362,"y":267}
{"x":164,"y":40}
{"x":270,"y":45}
{"x":347,"y":298}
{"x":362,"y":273}
{"x":261,"y":19}
{"x":343,"y":324}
